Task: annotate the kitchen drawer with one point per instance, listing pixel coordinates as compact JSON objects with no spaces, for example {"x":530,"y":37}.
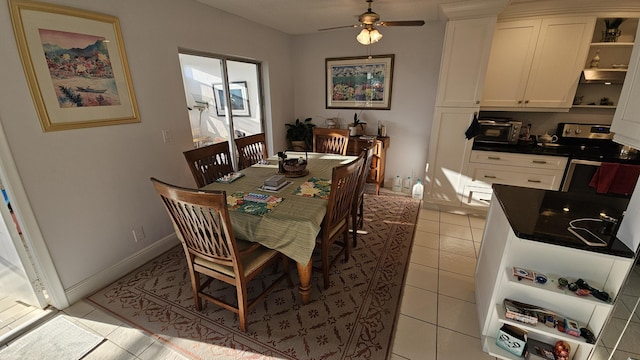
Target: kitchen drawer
{"x":521,"y":160}
{"x":482,"y":175}
{"x":476,"y":196}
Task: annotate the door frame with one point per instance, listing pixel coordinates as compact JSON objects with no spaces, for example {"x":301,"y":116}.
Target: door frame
{"x":35,"y":256}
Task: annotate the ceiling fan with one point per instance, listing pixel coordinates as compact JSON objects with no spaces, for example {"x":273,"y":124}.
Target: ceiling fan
{"x":369,"y":20}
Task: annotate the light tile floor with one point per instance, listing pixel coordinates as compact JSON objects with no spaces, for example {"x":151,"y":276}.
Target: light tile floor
{"x":438,"y":314}
{"x":438,"y":318}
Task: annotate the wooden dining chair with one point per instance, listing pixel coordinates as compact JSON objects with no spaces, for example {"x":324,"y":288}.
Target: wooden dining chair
{"x":201,"y":221}
{"x":209,"y":163}
{"x":344,"y":180}
{"x":251,"y":149}
{"x":357,"y":210}
{"x":332,"y":141}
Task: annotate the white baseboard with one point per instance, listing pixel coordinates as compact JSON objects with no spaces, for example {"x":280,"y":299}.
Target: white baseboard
{"x":120,"y":269}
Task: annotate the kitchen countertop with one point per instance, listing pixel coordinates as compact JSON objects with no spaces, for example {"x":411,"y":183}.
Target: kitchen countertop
{"x":606,"y":154}
{"x":544,"y":215}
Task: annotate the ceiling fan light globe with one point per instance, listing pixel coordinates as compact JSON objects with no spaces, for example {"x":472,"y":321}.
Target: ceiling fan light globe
{"x":375,"y":36}
{"x":368,"y":36}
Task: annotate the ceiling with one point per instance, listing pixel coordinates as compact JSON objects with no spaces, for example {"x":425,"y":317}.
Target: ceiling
{"x":298,"y":17}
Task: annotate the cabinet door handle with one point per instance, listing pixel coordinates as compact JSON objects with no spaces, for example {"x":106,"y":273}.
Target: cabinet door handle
{"x":477,"y":102}
{"x":538,"y":161}
{"x":493,"y":157}
{"x":490,"y":177}
{"x":526,"y":101}
{"x":519,"y":101}
{"x":534,"y":181}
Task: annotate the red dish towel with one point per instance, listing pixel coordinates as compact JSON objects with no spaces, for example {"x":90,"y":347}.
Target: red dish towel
{"x":615,"y":178}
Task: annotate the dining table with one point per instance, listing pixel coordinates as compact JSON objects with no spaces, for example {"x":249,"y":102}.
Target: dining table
{"x":292,"y":224}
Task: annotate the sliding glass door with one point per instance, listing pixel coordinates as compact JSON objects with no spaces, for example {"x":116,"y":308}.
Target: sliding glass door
{"x":223,"y":97}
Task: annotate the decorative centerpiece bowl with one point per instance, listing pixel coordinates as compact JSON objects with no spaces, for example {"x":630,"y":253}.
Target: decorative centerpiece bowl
{"x":293,"y":167}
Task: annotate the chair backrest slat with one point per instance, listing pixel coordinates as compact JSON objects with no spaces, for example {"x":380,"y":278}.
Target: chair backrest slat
{"x":201,"y":220}
{"x":367,"y":153}
{"x":333,"y":141}
{"x":209,"y":163}
{"x":251,"y":149}
{"x":344,"y":181}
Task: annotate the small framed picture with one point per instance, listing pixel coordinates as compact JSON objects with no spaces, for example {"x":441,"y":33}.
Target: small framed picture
{"x":239,"y":99}
{"x":521,"y":273}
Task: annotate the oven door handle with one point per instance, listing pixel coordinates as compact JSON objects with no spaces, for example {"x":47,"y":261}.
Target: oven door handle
{"x":571,"y":169}
{"x":584,"y":162}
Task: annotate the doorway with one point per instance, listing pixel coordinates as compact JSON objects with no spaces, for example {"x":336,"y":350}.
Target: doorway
{"x":20,"y":302}
{"x":25,"y":257}
{"x":224,"y":97}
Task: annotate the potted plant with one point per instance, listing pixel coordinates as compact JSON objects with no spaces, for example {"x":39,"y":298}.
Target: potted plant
{"x":358,"y":127}
{"x":300,"y":134}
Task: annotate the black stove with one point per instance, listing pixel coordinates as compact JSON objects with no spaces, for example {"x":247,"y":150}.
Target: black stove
{"x":589,"y":142}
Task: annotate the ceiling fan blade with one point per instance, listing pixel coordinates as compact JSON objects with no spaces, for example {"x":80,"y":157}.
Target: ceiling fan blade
{"x":340,"y":27}
{"x":402,"y":23}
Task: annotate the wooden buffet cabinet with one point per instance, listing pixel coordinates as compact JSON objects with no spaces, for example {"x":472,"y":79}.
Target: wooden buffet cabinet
{"x":380,"y":143}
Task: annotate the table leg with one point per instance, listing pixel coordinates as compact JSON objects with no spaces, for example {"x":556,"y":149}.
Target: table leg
{"x":304,"y":273}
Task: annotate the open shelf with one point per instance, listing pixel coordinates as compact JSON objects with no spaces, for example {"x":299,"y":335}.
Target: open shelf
{"x":540,"y":329}
{"x":613,"y":107}
{"x":552,"y":286}
{"x":613,"y":44}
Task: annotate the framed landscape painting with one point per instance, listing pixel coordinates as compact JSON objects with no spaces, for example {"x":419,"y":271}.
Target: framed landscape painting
{"x":359,"y":82}
{"x":75,"y":64}
{"x":239,"y":99}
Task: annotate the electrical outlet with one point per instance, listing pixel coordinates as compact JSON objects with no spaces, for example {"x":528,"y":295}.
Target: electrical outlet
{"x":166,"y":136}
{"x":138,"y":233}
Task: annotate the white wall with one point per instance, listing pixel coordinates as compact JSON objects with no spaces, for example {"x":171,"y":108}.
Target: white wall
{"x":88,"y":188}
{"x":417,"y":63}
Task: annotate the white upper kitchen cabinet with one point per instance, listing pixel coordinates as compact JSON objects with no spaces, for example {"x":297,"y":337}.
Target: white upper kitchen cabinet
{"x":464,"y":62}
{"x":536,"y":63}
{"x":465,"y":56}
{"x":626,"y":121}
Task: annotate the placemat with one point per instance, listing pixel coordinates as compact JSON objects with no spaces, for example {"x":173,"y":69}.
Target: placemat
{"x":240,"y":201}
{"x":314,"y":187}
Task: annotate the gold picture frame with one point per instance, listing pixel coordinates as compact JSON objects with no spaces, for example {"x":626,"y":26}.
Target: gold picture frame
{"x":75,"y":64}
{"x":359,"y":82}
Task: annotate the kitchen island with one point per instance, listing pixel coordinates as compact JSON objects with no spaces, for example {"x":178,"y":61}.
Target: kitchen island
{"x":528,"y":228}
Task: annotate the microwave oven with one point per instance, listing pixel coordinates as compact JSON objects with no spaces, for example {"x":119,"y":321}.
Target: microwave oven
{"x":498,"y":131}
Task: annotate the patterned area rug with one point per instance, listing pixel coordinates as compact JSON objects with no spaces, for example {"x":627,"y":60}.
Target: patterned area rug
{"x":353,"y":319}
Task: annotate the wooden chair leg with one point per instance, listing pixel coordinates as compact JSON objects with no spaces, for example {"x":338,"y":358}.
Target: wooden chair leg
{"x":347,"y":244}
{"x":325,"y":264}
{"x":195,"y":286}
{"x":354,"y":229}
{"x":242,"y":306}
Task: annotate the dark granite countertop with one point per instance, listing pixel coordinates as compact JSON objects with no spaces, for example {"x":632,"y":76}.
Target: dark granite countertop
{"x":609,"y":153}
{"x":544,"y":216}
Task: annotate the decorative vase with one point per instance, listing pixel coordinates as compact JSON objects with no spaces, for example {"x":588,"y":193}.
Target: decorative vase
{"x":610,"y":35}
{"x":612,"y":32}
{"x":358,"y":129}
